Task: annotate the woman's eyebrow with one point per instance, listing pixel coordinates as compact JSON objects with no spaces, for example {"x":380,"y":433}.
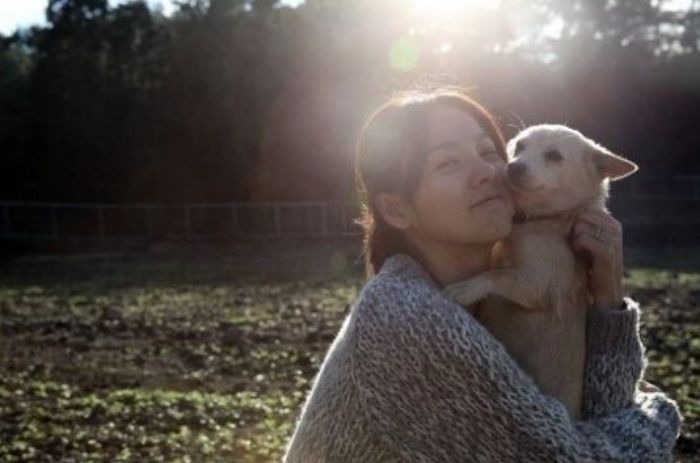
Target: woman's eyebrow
{"x":480,"y":138}
{"x":444,"y":145}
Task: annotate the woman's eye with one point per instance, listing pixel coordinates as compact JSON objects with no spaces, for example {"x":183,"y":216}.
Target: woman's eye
{"x":448,"y":163}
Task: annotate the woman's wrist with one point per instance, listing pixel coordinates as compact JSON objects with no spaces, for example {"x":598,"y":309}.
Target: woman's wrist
{"x":611,"y":299}
{"x":612,"y":345}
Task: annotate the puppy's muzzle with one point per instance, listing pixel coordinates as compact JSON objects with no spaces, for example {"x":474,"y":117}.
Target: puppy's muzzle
{"x":515,"y":172}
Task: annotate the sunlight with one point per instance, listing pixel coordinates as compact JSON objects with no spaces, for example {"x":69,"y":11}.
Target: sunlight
{"x":435,"y":26}
{"x":441,"y":10}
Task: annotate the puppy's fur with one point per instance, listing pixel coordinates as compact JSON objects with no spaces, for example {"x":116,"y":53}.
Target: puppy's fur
{"x":538,"y":289}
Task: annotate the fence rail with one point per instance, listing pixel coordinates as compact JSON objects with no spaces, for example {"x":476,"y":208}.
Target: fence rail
{"x":685,"y":186}
{"x":27,"y":220}
{"x":192,"y":221}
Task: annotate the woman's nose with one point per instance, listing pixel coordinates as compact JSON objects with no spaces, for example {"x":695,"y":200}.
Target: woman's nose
{"x":482,"y":172}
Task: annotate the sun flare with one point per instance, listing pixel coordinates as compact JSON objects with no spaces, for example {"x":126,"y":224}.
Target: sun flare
{"x":444,"y":9}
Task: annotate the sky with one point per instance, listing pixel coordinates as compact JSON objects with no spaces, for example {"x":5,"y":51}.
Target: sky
{"x":23,"y":13}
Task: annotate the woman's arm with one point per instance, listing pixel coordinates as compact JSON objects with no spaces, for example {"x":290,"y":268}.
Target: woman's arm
{"x":614,"y":353}
{"x":438,"y":387}
{"x":614,"y":360}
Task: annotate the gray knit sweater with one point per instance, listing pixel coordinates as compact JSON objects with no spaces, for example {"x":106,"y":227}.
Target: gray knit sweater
{"x":413,"y":377}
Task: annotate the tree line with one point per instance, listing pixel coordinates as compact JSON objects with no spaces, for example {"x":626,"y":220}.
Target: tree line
{"x":252,"y":100}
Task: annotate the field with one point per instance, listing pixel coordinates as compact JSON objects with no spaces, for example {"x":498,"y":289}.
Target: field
{"x":206,"y":354}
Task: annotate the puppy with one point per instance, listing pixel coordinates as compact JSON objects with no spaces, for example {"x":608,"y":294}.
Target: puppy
{"x":538,"y":289}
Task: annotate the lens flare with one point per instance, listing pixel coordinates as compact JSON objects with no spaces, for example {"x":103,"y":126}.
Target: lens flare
{"x":404,"y":54}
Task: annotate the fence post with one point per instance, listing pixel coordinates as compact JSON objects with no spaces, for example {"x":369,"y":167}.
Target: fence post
{"x":149,"y":221}
{"x":101,"y":221}
{"x":324,"y":219}
{"x":343,"y":225}
{"x":54,"y":223}
{"x":234,"y":219}
{"x":188,"y":225}
{"x":277,"y":219}
{"x":6,"y":218}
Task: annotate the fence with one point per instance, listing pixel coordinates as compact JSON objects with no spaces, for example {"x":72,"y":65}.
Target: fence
{"x":58,"y":221}
{"x":676,"y":187}
{"x":668,"y":213}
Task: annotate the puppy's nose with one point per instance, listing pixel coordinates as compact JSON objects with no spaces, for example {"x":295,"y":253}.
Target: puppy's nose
{"x":516,"y":170}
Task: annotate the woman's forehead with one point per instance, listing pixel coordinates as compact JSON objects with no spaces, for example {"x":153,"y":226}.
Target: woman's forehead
{"x":446,"y":123}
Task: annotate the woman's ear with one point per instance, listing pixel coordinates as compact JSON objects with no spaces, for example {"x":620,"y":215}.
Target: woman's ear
{"x":612,"y":166}
{"x":393,"y":210}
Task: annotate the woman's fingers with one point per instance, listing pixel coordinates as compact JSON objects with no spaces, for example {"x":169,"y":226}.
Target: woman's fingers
{"x":600,"y":225}
{"x":597,"y":246}
{"x":602,"y":220}
{"x":601,"y":234}
{"x":598,"y":233}
{"x":585,"y":228}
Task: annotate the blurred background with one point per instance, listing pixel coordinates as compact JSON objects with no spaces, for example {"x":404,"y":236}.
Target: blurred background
{"x":177,"y":245}
{"x":183,"y":118}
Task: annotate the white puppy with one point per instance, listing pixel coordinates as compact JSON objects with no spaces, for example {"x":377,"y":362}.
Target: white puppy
{"x":539,"y":286}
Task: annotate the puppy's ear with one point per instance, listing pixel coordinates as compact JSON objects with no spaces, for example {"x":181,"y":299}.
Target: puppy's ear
{"x":611,"y":165}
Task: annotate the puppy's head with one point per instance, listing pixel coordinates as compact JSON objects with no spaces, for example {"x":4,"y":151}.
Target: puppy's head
{"x":554,"y":169}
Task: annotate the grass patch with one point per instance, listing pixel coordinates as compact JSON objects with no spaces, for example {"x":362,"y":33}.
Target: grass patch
{"x":209,"y":358}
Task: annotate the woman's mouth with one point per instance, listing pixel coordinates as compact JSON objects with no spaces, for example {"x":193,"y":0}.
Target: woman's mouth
{"x":489,"y":200}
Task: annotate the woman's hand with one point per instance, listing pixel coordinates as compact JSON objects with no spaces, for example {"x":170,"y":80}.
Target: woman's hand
{"x":599,"y":235}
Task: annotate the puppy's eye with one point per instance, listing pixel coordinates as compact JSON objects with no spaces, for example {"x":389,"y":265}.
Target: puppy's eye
{"x":553,"y":155}
{"x":519,"y":146}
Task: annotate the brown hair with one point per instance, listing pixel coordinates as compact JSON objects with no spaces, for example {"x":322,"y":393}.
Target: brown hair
{"x":391,"y":151}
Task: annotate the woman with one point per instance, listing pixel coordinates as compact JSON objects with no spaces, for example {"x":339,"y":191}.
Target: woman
{"x":413,"y":377}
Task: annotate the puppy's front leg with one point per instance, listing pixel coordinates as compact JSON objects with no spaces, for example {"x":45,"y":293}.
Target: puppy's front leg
{"x":508,"y":283}
{"x":469,"y":291}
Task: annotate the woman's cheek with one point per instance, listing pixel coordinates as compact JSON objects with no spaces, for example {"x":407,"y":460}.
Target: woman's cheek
{"x":443,"y":207}
{"x":443,"y":219}
{"x":458,"y":219}
{"x":443,"y":203}
{"x":451,"y":191}
{"x":501,"y":225}
{"x":452,"y":227}
{"x":437,"y":196}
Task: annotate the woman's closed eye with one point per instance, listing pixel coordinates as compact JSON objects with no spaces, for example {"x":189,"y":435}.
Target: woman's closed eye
{"x":448,"y":163}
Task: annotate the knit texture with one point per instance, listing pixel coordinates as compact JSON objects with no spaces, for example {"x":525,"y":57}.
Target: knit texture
{"x":413,"y":377}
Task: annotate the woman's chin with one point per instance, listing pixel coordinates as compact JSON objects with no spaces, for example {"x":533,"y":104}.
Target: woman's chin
{"x":497,"y":230}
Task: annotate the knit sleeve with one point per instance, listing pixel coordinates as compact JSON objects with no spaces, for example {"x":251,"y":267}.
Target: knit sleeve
{"x":614,"y":360}
{"x":436,"y":386}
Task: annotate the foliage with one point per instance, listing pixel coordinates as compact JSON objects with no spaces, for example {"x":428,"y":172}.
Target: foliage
{"x":209,"y":357}
{"x":119,"y":103}
{"x":151,"y":362}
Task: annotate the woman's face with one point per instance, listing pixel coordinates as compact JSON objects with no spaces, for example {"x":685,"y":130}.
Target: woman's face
{"x":460,"y":198}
